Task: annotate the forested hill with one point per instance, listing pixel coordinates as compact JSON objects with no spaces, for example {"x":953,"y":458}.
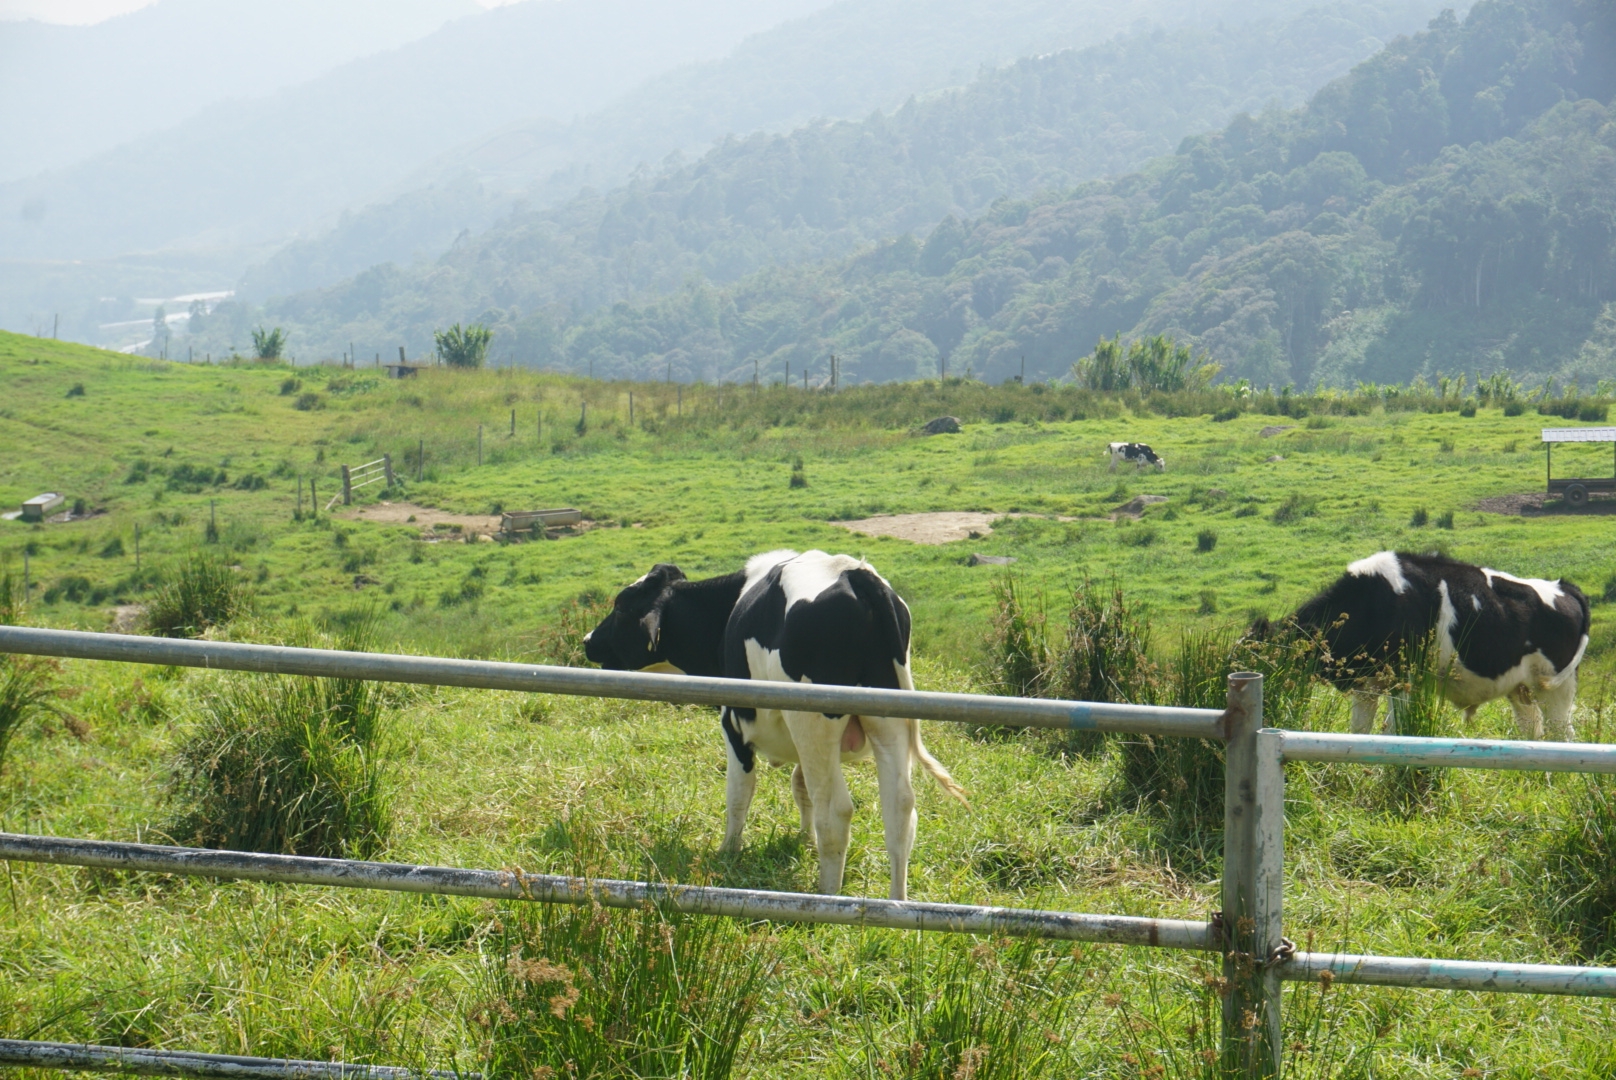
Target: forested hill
{"x":830,"y":188}
{"x":1450,"y":206}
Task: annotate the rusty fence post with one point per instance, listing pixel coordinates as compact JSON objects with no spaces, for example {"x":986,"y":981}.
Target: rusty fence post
{"x":1253,"y":885}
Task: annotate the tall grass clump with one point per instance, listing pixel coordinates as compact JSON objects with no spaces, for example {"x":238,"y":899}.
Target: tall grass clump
{"x":1107,"y":649}
{"x":287,"y":765}
{"x":981,"y":1010}
{"x":1019,"y":660}
{"x":1184,"y":777}
{"x":28,"y":684}
{"x":1582,"y":867}
{"x":200,"y":593}
{"x":1415,"y":706}
{"x":583,"y":992}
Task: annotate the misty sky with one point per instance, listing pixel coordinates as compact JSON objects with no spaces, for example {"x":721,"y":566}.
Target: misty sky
{"x":93,"y":11}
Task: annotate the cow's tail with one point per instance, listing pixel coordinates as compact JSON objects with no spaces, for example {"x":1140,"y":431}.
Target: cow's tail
{"x":882,"y":601}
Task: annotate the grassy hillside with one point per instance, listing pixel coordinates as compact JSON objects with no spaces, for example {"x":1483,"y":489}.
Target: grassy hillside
{"x":1477,"y":867}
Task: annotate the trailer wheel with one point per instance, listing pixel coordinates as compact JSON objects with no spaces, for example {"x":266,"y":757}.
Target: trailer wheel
{"x":1576,"y":496}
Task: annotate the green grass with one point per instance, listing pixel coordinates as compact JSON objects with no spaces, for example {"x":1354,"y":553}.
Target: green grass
{"x":1485,"y":866}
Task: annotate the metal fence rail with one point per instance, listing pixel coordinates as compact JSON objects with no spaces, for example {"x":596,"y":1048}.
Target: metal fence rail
{"x":633,"y":685}
{"x":78,"y":1057}
{"x":1248,"y":932}
{"x":556,"y":889}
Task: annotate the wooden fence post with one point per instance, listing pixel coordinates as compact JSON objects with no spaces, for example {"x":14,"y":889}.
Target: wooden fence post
{"x":314,"y":499}
{"x":420,"y":460}
{"x":401,"y":359}
{"x":387,"y":464}
{"x":347,"y":487}
{"x":513,"y":423}
{"x":1253,"y":885}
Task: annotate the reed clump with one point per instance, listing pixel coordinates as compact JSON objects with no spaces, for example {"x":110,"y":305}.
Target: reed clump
{"x":195,"y":596}
{"x":287,"y":765}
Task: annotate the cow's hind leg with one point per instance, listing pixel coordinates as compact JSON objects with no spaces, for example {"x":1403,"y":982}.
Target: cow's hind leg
{"x":1365,"y":703}
{"x":740,"y":783}
{"x":805,"y":805}
{"x":1558,"y":703}
{"x":818,"y":739}
{"x":1528,"y":717}
{"x":889,"y":743}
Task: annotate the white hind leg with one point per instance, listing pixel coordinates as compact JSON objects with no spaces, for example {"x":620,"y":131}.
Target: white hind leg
{"x":739,"y":786}
{"x":1365,"y":703}
{"x":805,"y":805}
{"x":1528,"y":717}
{"x":890,"y":745}
{"x":1558,"y":703}
{"x":818,"y":740}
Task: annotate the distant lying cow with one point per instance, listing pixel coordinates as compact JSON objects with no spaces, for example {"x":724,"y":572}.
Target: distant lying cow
{"x":1496,"y":636}
{"x":1138,"y":453}
{"x":809,"y":618}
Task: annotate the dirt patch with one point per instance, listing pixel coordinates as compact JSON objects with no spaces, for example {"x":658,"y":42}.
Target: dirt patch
{"x":1540,"y":504}
{"x":126,"y":618}
{"x":424,"y":517}
{"x":941,"y":527}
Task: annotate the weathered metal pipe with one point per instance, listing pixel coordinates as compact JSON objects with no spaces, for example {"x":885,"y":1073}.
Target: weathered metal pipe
{"x":588,"y":682}
{"x":85,"y":1058}
{"x":556,"y":889}
{"x":1456,"y":753}
{"x":1451,"y":974}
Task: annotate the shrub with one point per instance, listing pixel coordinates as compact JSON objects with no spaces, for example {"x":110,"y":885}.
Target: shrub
{"x":463,"y":348}
{"x":251,"y":482}
{"x":1223,"y":416}
{"x":1415,"y":706}
{"x":583,"y":992}
{"x":268,"y":345}
{"x":1445,"y":520}
{"x":290,"y":385}
{"x":1295,"y":507}
{"x":308,"y":402}
{"x":1019,"y":661}
{"x":286,"y":765}
{"x":1206,"y":540}
{"x":1184,"y":777}
{"x":1209,"y":602}
{"x":799,"y":479}
{"x":1593,"y":412}
{"x":1107,"y":649}
{"x":562,"y":641}
{"x":28,"y":684}
{"x":1514,"y":408}
{"x":76,"y":390}
{"x":113,"y":548}
{"x":199,"y":593}
{"x":1420,"y":519}
{"x":1468,"y":410}
{"x":1582,"y":866}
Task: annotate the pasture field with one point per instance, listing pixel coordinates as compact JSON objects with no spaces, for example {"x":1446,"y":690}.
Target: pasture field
{"x":1478,"y":868}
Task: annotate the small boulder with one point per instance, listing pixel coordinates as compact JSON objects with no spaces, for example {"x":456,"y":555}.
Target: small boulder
{"x":1136,"y":505}
{"x":943,"y":425}
{"x":1217,"y":493}
{"x":989,"y":560}
{"x":1274,"y":429}
{"x":1274,"y":457}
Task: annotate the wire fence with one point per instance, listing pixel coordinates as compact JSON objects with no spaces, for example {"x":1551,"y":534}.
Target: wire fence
{"x":1248,"y":931}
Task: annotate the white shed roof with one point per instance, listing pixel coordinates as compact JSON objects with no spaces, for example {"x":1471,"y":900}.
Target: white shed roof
{"x":1579,"y":434}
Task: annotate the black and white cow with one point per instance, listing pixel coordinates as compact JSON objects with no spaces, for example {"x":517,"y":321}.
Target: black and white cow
{"x":1496,"y":636}
{"x":1138,"y":453}
{"x":813,"y":618}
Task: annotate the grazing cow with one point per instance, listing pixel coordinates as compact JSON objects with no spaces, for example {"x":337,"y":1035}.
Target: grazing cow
{"x":1496,"y":636}
{"x":1138,"y":453}
{"x":812,"y":618}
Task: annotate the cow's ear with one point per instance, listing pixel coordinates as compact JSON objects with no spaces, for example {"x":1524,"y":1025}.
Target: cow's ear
{"x":653,"y":627}
{"x":667,"y":572}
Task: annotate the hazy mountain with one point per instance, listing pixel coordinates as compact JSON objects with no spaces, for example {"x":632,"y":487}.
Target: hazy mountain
{"x":1448,"y":206}
{"x":67,"y":92}
{"x":829,"y":188}
{"x":244,"y":172}
{"x":842,"y":62}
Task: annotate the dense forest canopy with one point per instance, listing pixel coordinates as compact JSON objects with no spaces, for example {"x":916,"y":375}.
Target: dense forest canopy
{"x":1448,"y":204}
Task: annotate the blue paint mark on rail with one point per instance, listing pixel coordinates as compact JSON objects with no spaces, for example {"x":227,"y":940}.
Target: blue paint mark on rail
{"x":1081,"y":718}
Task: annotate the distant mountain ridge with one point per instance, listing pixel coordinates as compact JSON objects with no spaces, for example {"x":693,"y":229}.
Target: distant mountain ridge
{"x":67,"y":92}
{"x":829,"y":188}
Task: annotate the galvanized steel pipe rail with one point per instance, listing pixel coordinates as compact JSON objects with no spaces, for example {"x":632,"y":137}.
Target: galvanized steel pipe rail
{"x":79,"y":1057}
{"x":588,"y":682}
{"x":517,"y":884}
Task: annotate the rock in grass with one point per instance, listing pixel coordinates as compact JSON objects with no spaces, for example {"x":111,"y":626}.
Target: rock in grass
{"x":1274,"y":429}
{"x":943,"y":425}
{"x":1136,"y":505}
{"x":1274,"y":457}
{"x":978,"y":559}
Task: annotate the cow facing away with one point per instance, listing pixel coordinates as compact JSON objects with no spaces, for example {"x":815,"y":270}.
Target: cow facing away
{"x":1138,"y":453}
{"x":1496,"y":636}
{"x":811,"y":618}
